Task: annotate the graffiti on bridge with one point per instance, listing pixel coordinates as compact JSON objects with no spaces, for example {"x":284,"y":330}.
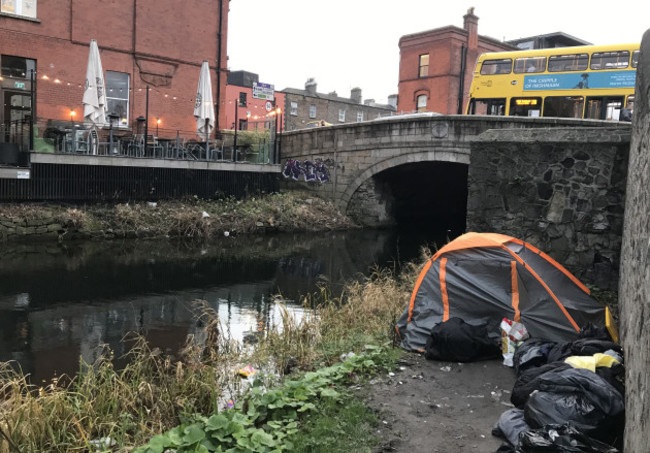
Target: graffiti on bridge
{"x":311,"y":171}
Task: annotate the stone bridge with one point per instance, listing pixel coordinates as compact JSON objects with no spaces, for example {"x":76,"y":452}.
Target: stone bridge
{"x":557,"y":182}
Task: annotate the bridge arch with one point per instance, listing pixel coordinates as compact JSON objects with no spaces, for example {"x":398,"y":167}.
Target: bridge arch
{"x":434,"y":155}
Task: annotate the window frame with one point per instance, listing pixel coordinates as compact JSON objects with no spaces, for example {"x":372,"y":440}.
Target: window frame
{"x":568,"y":62}
{"x":312,"y":111}
{"x":423,"y":69}
{"x":341,"y":115}
{"x":580,"y":100}
{"x":122,"y":121}
{"x":420,"y":108}
{"x":359,"y":116}
{"x":293,"y":108}
{"x":621,"y":57}
{"x":19,"y":8}
{"x":522,"y":65}
{"x":499,"y":65}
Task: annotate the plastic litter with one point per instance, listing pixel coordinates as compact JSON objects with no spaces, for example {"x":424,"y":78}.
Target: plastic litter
{"x":512,"y":333}
{"x":560,"y":439}
{"x":247,"y":371}
{"x":510,"y":425}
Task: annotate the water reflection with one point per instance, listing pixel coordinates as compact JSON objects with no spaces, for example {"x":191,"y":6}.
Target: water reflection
{"x":59,"y":302}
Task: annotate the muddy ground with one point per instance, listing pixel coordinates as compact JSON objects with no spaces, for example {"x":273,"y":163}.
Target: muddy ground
{"x":430,"y":406}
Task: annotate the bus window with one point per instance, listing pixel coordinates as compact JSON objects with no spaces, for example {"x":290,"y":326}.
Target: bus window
{"x":529,"y":64}
{"x":635,"y":58}
{"x":630,"y":103}
{"x":617,"y":59}
{"x":563,"y":106}
{"x":487,"y":107}
{"x":502,"y":66}
{"x":561,"y":63}
{"x":525,"y":106}
{"x":603,"y":108}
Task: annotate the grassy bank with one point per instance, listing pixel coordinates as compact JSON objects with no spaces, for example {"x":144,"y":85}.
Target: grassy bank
{"x":194,"y":218}
{"x":159,"y":402}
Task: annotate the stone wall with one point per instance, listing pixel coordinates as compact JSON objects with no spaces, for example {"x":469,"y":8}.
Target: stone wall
{"x":634,"y":295}
{"x":42,"y":227}
{"x":562,"y":190}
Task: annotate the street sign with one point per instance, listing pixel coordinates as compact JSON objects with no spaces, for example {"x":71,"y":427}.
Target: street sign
{"x":263,"y":91}
{"x":268,"y":106}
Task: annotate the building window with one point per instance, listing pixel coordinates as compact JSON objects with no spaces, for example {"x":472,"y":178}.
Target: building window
{"x":359,"y":117}
{"x":117,"y":96}
{"x":294,"y":108}
{"x":422,"y":103}
{"x":17,"y":67}
{"x":242,"y":99}
{"x":312,"y":111}
{"x":341,"y":116}
{"x":25,"y":8}
{"x":423,"y":70}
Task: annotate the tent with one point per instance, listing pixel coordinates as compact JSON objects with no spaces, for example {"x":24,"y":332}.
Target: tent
{"x":485,"y":277}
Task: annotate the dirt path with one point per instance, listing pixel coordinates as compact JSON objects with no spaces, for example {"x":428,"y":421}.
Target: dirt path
{"x":430,"y":406}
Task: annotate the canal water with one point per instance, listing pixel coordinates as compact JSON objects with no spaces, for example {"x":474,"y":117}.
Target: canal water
{"x":59,"y":302}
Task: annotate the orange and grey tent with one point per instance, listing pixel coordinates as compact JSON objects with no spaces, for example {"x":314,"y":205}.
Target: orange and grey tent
{"x":485,"y":277}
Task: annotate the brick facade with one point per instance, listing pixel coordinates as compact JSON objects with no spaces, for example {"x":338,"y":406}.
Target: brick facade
{"x":254,"y":115}
{"x":158,"y":43}
{"x":445,"y":49}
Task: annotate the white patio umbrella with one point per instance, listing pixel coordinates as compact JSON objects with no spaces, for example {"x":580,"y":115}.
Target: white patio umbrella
{"x":94,"y":99}
{"x":204,"y":107}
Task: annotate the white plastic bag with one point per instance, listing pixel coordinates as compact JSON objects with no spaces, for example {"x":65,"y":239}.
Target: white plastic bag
{"x":512,"y":333}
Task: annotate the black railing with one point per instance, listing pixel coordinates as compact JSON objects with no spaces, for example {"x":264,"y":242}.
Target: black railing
{"x":62,"y":182}
{"x":79,"y":138}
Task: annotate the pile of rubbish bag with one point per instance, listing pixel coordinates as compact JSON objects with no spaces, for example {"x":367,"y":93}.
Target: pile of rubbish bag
{"x":568,"y":397}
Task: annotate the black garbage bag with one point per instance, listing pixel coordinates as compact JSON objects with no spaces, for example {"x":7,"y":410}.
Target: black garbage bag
{"x":536,"y":352}
{"x":510,"y":425}
{"x":580,"y":397}
{"x":531,"y":353}
{"x":527,"y":382}
{"x":457,"y":341}
{"x":591,"y":346}
{"x":560,"y":439}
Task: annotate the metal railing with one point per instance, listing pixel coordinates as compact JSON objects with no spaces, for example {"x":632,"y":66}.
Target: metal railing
{"x":79,"y":138}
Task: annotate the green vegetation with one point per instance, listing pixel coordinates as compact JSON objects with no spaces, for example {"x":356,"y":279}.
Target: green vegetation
{"x":159,"y":402}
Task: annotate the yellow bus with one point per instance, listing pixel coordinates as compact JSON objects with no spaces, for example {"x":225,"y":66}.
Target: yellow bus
{"x":595,"y":82}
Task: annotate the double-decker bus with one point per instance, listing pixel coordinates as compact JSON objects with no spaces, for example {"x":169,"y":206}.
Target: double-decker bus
{"x":595,"y":82}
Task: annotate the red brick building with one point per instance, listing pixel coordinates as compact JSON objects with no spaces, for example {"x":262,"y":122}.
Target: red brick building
{"x":158,"y":44}
{"x":253,"y":113}
{"x":436,"y":66}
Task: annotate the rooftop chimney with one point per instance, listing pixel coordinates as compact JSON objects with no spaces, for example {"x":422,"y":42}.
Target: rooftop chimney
{"x":470,"y":23}
{"x":355,"y":95}
{"x":310,"y":86}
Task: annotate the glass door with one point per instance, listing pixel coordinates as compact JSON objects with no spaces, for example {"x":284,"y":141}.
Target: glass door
{"x":16,"y":117}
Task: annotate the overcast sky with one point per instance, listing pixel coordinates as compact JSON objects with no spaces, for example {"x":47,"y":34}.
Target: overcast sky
{"x":354,"y":43}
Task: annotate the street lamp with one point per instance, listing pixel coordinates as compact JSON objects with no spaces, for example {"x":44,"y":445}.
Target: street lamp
{"x":157,"y":125}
